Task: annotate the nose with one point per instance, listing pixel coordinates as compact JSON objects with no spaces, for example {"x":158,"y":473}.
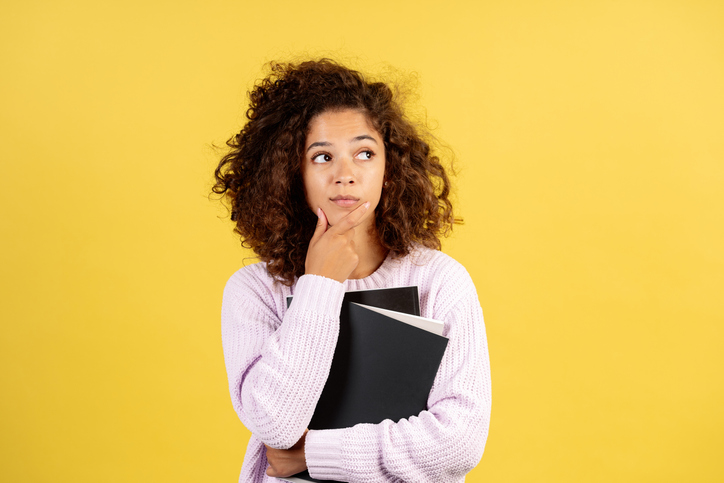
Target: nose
{"x":345,"y":172}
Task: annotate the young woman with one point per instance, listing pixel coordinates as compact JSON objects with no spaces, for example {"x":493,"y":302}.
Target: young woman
{"x":335,"y":190}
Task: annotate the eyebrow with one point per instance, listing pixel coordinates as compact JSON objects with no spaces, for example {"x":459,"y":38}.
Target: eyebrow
{"x":363,"y":137}
{"x":353,"y":140}
{"x":317,"y":144}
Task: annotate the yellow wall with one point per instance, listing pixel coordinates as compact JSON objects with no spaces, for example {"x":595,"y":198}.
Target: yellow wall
{"x":590,"y":140}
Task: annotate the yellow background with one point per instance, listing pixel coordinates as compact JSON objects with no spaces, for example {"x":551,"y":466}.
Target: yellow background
{"x":590,"y":142}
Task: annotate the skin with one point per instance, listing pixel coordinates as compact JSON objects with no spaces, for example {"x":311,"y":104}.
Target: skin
{"x":343,"y":172}
{"x":344,"y":158}
{"x":286,"y":462}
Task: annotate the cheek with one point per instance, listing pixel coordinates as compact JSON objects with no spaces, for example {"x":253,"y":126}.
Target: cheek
{"x":308,"y":190}
{"x":313,"y":191}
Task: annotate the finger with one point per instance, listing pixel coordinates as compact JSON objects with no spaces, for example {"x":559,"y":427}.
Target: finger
{"x":270,"y":458}
{"x":353,"y":219}
{"x":322,"y":224}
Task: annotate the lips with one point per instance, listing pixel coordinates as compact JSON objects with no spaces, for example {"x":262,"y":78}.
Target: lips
{"x":344,"y":201}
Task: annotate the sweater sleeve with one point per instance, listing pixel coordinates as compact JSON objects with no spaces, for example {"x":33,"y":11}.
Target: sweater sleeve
{"x":277,"y":368}
{"x":442,"y":443}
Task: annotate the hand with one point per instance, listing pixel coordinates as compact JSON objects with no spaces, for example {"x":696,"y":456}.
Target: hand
{"x":331,"y":250}
{"x":286,"y":462}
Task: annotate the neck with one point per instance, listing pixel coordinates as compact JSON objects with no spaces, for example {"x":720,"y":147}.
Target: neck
{"x":370,"y":251}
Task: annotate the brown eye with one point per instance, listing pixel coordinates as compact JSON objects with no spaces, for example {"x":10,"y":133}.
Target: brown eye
{"x":365,"y":155}
{"x":321,"y":158}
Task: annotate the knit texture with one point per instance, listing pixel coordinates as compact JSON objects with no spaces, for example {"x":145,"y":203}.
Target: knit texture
{"x":278,"y":359}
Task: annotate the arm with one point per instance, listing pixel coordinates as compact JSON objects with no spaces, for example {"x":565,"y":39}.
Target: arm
{"x":442,"y":443}
{"x":277,"y":368}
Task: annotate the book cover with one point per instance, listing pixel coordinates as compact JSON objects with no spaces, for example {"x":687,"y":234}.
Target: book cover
{"x":384,"y":369}
{"x":384,"y":364}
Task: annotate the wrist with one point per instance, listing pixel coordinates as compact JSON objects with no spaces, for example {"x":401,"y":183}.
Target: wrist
{"x":323,"y":454}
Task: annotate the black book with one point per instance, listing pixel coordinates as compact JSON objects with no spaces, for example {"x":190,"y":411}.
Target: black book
{"x":383,"y":367}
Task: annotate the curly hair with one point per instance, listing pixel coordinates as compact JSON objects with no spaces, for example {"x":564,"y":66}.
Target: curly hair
{"x":261,"y":176}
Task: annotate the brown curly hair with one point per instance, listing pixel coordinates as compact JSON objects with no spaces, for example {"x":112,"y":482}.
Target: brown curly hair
{"x":261,"y":174}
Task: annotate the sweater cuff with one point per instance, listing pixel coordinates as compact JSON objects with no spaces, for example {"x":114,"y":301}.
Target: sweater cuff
{"x":323,"y":452}
{"x":317,"y":294}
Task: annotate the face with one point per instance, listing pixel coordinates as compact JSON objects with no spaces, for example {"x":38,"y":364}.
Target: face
{"x":343,"y":165}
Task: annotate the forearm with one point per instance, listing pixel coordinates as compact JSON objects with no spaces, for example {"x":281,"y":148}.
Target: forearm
{"x":428,"y":447}
{"x":277,"y":373}
{"x":442,"y":443}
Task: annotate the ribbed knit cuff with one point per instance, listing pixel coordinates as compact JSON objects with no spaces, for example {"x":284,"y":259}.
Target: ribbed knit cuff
{"x":323,"y":452}
{"x":317,"y":294}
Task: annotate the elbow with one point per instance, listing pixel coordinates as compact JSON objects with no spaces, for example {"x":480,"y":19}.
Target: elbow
{"x":268,"y":424}
{"x":464,"y":456}
{"x":465,"y":439}
{"x":281,"y":438}
{"x":275,"y":433}
{"x":471,"y":456}
{"x":473,"y":444}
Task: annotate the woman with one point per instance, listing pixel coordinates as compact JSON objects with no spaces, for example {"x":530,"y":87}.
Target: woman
{"x":335,"y":190}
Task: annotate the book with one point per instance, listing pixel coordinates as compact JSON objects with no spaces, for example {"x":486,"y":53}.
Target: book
{"x":384,"y":364}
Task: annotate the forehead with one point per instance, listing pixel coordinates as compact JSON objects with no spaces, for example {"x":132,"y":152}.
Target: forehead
{"x":340,"y":123}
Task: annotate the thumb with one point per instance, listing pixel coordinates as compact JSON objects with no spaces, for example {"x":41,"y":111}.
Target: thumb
{"x":322,"y":225}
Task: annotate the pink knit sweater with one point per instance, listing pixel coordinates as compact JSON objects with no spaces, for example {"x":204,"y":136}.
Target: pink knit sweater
{"x":277,"y":360}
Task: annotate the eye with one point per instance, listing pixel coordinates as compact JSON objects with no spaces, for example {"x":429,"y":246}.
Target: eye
{"x":365,"y":155}
{"x":321,"y":158}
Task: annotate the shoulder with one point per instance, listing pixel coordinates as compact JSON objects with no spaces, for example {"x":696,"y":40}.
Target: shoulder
{"x":434,"y":264}
{"x":254,"y":276}
{"x":253,"y":285}
{"x":443,"y":282}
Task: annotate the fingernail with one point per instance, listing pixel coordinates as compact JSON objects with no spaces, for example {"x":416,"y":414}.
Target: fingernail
{"x":319,"y":212}
{"x":367,"y":204}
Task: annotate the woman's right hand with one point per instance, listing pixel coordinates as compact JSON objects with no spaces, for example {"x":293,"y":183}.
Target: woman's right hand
{"x":331,"y":250}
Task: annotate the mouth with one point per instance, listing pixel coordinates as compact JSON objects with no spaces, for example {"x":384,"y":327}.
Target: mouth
{"x":344,"y":201}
